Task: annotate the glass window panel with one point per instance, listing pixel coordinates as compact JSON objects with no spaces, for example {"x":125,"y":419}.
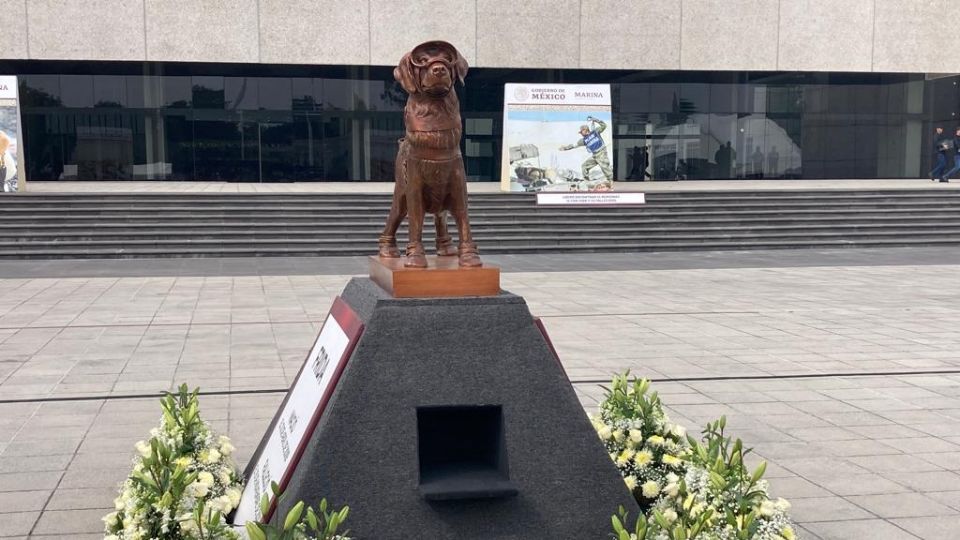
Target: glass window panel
{"x":814,"y":98}
{"x":840,"y":98}
{"x":664,"y":97}
{"x":109,"y":91}
{"x":338,"y":136}
{"x":40,"y":90}
{"x":43,"y":145}
{"x":277,"y":156}
{"x":693,"y":161}
{"x":175,"y":151}
{"x":695,"y":97}
{"x":218,"y":139}
{"x":76,"y":91}
{"x":382,"y":96}
{"x":723,"y":98}
{"x":784,"y":99}
{"x":241,"y":93}
{"x":308,"y":146}
{"x":634,"y":98}
{"x":177,"y":92}
{"x":724,"y":131}
{"x":304,"y":96}
{"x":135,"y":91}
{"x":340,"y":94}
{"x":275,"y":94}
{"x":753,"y":98}
{"x":208,"y":93}
{"x":867,"y":98}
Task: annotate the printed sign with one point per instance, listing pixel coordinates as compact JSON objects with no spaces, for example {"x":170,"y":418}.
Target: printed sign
{"x":590,"y":199}
{"x":557,"y":137}
{"x":293,"y":425}
{"x":10,"y":154}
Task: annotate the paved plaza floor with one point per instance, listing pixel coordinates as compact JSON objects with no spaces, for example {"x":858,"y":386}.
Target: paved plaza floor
{"x":841,"y":368}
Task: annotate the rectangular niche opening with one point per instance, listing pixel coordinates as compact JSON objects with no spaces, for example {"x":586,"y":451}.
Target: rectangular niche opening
{"x":462,"y":452}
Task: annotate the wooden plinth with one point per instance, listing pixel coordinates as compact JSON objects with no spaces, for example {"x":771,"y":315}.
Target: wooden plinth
{"x":443,"y":277}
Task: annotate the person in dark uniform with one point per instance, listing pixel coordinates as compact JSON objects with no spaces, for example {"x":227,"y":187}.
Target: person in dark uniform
{"x":956,"y":158}
{"x":941,"y":144}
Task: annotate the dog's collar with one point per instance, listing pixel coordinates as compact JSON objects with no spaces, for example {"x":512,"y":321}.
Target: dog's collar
{"x":434,"y":154}
{"x":431,"y":122}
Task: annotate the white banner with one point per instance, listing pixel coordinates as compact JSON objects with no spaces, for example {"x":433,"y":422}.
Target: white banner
{"x":590,"y":199}
{"x":293,"y":425}
{"x":557,"y":137}
{"x":11,"y":151}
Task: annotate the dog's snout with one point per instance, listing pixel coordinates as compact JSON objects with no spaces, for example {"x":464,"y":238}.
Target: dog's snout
{"x":439,"y":69}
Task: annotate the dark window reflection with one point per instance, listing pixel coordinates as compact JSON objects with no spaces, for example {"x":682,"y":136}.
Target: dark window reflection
{"x":76,"y":91}
{"x":341,"y":123}
{"x":242,"y":93}
{"x":208,"y":93}
{"x":109,"y":91}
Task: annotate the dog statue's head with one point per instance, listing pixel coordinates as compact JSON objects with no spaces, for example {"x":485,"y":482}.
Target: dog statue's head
{"x":431,"y":68}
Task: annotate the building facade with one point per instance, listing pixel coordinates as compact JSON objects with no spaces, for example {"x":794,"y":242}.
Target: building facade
{"x":298,"y":90}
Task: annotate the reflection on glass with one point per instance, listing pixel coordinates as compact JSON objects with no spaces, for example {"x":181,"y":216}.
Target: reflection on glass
{"x":344,"y":125}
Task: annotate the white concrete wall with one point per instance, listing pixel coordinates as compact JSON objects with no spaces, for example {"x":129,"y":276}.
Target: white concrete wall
{"x":788,"y":35}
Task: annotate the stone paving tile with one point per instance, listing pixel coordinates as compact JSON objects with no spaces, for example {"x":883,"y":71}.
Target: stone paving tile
{"x":949,"y":498}
{"x":867,"y":529}
{"x":842,"y":448}
{"x":17,"y":523}
{"x":22,"y":501}
{"x":70,"y":522}
{"x":931,"y":528}
{"x":901,"y":505}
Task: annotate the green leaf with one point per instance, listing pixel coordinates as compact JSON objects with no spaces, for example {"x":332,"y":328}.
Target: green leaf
{"x":264,"y":505}
{"x":312,"y":519}
{"x":293,"y":516}
{"x":255,"y":532}
{"x":758,"y":474}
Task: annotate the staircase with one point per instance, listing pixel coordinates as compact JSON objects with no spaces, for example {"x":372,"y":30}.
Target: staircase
{"x":106,"y":225}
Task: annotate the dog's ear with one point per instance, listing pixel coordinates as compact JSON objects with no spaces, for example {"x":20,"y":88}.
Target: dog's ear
{"x":404,"y":74}
{"x":461,"y":67}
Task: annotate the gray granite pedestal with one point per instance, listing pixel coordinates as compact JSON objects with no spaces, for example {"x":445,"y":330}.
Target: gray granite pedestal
{"x":453,"y":419}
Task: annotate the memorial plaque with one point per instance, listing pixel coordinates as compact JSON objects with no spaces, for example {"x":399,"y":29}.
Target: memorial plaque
{"x":293,"y":425}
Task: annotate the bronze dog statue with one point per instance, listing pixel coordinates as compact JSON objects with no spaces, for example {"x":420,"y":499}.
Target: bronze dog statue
{"x":429,"y":168}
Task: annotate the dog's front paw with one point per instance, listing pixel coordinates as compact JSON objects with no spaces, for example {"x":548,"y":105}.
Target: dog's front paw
{"x":416,"y":260}
{"x":389,"y":252}
{"x":446,"y":249}
{"x":470,"y":260}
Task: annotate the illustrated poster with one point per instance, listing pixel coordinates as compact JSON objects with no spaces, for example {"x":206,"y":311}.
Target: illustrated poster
{"x":557,"y":137}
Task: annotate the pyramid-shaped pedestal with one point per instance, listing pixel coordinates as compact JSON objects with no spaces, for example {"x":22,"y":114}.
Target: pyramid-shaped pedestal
{"x":453,"y":419}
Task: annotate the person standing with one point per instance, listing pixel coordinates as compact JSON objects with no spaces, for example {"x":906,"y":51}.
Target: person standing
{"x":591,"y":139}
{"x":956,"y":158}
{"x":941,"y":144}
{"x":773,"y":163}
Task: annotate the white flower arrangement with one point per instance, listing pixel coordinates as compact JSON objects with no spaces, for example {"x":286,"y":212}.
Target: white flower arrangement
{"x":640,"y":438}
{"x":687,"y":489}
{"x":184,"y":483}
{"x":184,"y":480}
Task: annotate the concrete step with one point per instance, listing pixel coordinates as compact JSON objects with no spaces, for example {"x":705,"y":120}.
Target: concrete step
{"x":174,"y":225}
{"x":527,"y":222}
{"x":609,"y":246}
{"x":479,"y":231}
